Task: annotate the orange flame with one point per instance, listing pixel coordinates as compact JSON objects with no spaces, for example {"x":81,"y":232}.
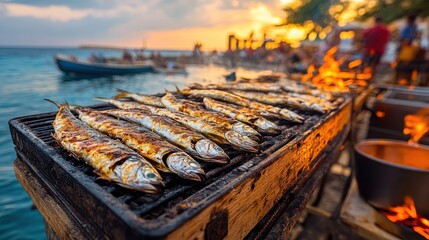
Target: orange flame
{"x":330,"y":77}
{"x":355,"y":63}
{"x":407,"y":215}
{"x":416,"y":125}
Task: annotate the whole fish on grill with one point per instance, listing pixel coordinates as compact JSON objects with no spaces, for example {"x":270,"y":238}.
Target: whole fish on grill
{"x":145,"y":99}
{"x":245,"y":115}
{"x":232,"y":98}
{"x":195,"y":110}
{"x":261,"y":87}
{"x":217,"y":133}
{"x":163,"y":155}
{"x":111,"y":159}
{"x":304,"y":90}
{"x":193,"y":143}
{"x":278,"y":98}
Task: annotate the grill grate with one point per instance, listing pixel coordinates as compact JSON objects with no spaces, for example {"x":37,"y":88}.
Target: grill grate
{"x":34,"y":133}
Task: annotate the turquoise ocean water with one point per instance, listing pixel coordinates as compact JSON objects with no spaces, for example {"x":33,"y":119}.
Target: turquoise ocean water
{"x":27,"y":76}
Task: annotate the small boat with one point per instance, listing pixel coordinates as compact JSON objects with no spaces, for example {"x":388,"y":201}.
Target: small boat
{"x":71,"y":64}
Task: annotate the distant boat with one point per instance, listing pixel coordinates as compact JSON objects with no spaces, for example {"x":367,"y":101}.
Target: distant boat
{"x":70,"y":64}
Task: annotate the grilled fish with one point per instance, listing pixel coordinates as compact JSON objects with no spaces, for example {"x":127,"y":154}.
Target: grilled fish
{"x":164,"y":156}
{"x":149,"y":100}
{"x":242,"y":114}
{"x":278,"y":98}
{"x":232,"y":98}
{"x":217,"y":133}
{"x":195,"y":110}
{"x":111,"y":159}
{"x":261,"y":87}
{"x":305,"y":90}
{"x":193,"y":143}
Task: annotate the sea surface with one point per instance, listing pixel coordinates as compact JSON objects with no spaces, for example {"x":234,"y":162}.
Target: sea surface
{"x":27,"y":76}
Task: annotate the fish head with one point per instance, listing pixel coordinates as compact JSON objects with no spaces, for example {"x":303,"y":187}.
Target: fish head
{"x":185,"y":166}
{"x":246,"y":130}
{"x":291,"y":116}
{"x":140,"y":175}
{"x":242,"y":142}
{"x":267,"y":126}
{"x":318,"y":107}
{"x":211,"y":152}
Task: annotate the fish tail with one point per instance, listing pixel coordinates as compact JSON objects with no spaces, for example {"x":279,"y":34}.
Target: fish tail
{"x":122,"y":94}
{"x":59,"y":105}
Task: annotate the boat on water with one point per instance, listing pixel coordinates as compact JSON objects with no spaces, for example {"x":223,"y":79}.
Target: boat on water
{"x":71,"y":64}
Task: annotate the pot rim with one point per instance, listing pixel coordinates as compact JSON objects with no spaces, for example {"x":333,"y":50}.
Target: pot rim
{"x":390,"y":142}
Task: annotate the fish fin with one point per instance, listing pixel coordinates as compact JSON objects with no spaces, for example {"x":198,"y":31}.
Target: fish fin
{"x":102,"y":176}
{"x":122,"y":94}
{"x":102,"y":99}
{"x":178,"y":89}
{"x":56,"y":142}
{"x":59,"y":105}
{"x":182,"y":91}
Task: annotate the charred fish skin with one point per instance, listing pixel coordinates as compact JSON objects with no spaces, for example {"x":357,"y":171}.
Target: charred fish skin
{"x":140,"y":98}
{"x":261,"y":87}
{"x":146,"y":143}
{"x":262,"y":125}
{"x":111,"y":159}
{"x":276,"y":99}
{"x":235,"y":99}
{"x":193,"y":143}
{"x":217,"y":133}
{"x":194,"y":110}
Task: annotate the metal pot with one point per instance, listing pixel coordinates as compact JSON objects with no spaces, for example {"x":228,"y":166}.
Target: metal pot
{"x":387,"y":171}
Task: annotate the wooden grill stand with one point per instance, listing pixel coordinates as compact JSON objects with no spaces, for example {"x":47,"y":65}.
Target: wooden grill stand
{"x":281,"y":184}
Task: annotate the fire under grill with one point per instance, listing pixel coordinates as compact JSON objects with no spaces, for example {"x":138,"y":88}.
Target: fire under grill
{"x":229,"y":203}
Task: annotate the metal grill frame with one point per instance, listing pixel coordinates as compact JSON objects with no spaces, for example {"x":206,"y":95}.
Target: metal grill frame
{"x":73,"y":186}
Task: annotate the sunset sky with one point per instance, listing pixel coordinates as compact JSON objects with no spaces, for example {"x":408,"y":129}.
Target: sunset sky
{"x":158,"y":24}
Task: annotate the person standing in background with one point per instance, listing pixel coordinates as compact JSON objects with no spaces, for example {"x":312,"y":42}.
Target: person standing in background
{"x":374,"y":41}
{"x":409,"y":33}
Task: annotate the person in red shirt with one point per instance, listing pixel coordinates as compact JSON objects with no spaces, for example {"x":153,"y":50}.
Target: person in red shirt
{"x":375,"y":40}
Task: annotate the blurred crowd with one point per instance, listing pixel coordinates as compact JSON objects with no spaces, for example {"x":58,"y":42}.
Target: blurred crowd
{"x":374,"y":44}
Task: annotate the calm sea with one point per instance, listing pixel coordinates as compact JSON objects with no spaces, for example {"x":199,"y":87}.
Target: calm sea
{"x":27,"y":76}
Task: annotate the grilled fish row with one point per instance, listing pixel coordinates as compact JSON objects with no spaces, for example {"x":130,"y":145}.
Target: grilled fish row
{"x":245,"y":115}
{"x":111,"y":159}
{"x":282,"y":86}
{"x":279,"y":98}
{"x":163,"y":155}
{"x":263,"y":109}
{"x":217,"y":133}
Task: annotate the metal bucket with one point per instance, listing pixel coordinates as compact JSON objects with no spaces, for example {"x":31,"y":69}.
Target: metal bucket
{"x":387,"y":171}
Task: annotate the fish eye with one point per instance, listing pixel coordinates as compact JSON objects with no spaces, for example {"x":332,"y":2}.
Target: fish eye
{"x":150,"y":175}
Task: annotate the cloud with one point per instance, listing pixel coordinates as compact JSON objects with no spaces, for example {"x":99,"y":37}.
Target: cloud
{"x":62,"y":13}
{"x":159,"y":23}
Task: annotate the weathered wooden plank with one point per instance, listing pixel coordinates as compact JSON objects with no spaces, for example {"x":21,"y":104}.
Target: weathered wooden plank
{"x":251,"y":198}
{"x":55,"y":215}
{"x":360,"y":216}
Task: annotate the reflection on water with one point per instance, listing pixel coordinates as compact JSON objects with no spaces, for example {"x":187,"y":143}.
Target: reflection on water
{"x":27,"y":77}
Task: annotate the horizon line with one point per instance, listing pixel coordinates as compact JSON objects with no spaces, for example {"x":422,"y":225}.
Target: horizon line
{"x":80,"y":47}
